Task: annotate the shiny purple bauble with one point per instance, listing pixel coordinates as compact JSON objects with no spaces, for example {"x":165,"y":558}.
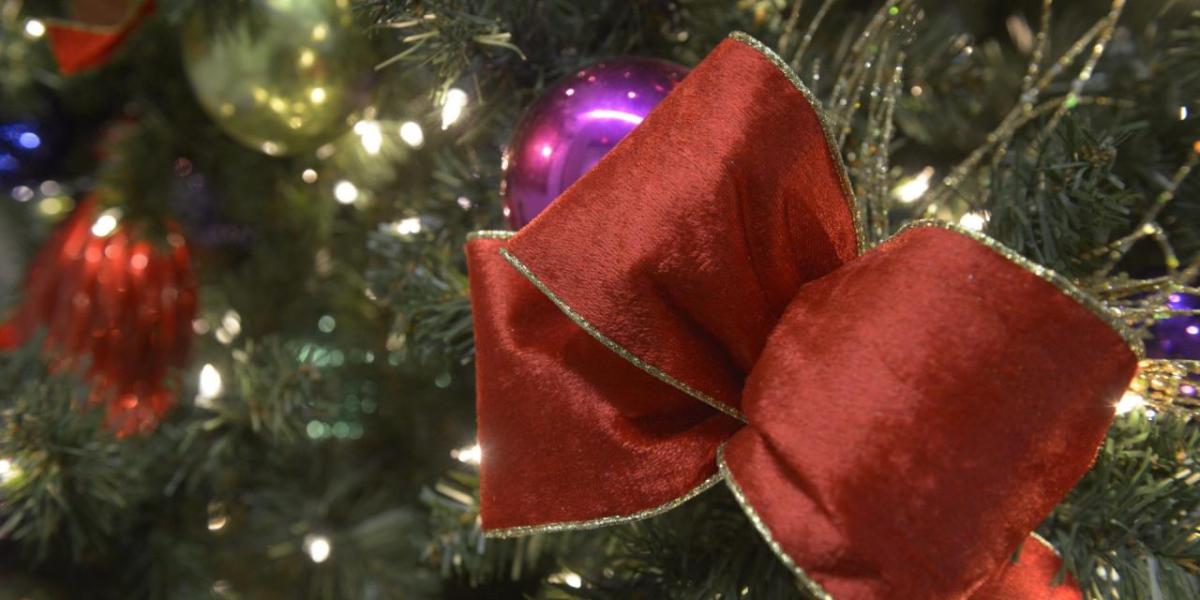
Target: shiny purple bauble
{"x":574,"y":124}
{"x":1177,"y":337}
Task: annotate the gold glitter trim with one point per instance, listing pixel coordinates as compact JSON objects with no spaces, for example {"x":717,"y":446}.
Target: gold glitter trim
{"x":1045,"y":543}
{"x":605,"y":521}
{"x":654,"y":371}
{"x":832,"y":146}
{"x":802,"y":578}
{"x":1064,"y":285}
{"x":490,"y":234}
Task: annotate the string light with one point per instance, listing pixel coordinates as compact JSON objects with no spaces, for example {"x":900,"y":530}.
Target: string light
{"x":345,"y":192}
{"x":22,"y":193}
{"x":453,"y":106}
{"x":370,"y":135}
{"x":106,"y":223}
{"x":569,"y":578}
{"x":1129,"y":402}
{"x":231,"y":326}
{"x":8,"y":470}
{"x":407,"y":226}
{"x":34,"y":29}
{"x":210,"y":386}
{"x":317,"y":547}
{"x":309,"y":176}
{"x":974,"y":220}
{"x":913,"y":188}
{"x":412,"y":134}
{"x":471,"y":455}
{"x":218,"y":517}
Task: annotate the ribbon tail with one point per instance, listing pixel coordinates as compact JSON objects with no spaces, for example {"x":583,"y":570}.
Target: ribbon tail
{"x":1032,"y":576}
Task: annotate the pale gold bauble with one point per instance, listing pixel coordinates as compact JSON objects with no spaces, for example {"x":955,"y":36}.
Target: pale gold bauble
{"x":284,"y":80}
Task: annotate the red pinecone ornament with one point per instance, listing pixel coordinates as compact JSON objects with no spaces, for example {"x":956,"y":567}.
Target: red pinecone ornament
{"x":115,"y":305}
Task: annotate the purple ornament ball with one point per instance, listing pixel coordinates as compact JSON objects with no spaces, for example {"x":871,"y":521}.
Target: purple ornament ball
{"x":1177,"y":337}
{"x":574,"y":124}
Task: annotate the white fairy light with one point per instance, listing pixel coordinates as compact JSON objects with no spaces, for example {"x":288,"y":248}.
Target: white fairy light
{"x":407,"y":226}
{"x":106,"y":223}
{"x":412,"y":134}
{"x":345,"y":192}
{"x":210,"y":386}
{"x":309,"y":176}
{"x":472,"y":454}
{"x":34,"y":29}
{"x":317,"y":547}
{"x":231,"y":321}
{"x":453,"y":106}
{"x":569,"y":578}
{"x":9,"y":470}
{"x":974,"y":220}
{"x":370,"y":135}
{"x":1129,"y":402}
{"x":913,"y":188}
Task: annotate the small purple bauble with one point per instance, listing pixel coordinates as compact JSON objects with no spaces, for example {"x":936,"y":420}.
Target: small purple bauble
{"x":1177,"y":337}
{"x":574,"y":124}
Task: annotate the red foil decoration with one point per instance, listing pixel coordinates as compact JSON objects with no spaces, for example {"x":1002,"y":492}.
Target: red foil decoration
{"x":94,"y":32}
{"x":117,"y":306}
{"x":699,"y":307}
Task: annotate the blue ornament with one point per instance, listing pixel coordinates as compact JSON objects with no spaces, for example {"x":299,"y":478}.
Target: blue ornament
{"x":22,"y":149}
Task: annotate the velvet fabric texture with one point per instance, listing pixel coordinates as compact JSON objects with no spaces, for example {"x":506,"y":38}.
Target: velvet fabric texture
{"x":96,"y":30}
{"x":895,"y":423}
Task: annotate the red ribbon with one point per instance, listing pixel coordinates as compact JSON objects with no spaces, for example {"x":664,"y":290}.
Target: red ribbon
{"x":895,"y":422}
{"x":95,"y":32}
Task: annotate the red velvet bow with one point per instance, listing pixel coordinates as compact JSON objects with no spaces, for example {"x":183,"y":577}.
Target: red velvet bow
{"x":894,"y":422}
{"x":95,"y":31}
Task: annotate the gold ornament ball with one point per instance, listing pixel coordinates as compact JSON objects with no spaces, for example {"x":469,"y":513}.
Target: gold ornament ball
{"x":283,"y":80}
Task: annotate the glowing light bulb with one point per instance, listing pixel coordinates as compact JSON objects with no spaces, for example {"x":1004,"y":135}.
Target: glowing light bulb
{"x":472,"y":454}
{"x":345,"y":192}
{"x":309,"y":176}
{"x":1130,"y":401}
{"x":318,"y":548}
{"x":568,"y":578}
{"x":210,"y":386}
{"x":371,"y":136}
{"x":106,"y":223}
{"x":914,"y":187}
{"x":412,"y":134}
{"x":975,"y":221}
{"x":34,"y":29}
{"x":231,"y":321}
{"x":407,"y":226}
{"x":8,"y":470}
{"x":453,"y":106}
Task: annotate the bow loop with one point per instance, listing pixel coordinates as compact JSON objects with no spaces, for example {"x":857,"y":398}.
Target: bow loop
{"x":894,"y":424}
{"x":687,"y":241}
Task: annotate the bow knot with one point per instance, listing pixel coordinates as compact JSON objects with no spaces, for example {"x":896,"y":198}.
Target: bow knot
{"x":699,"y":307}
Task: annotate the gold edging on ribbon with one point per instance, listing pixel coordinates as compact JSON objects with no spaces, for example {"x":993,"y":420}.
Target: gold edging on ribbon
{"x":809,"y":585}
{"x":490,"y":234}
{"x":1047,"y":274}
{"x":831,"y":144}
{"x":606,"y":521}
{"x":100,"y":28}
{"x":578,"y":319}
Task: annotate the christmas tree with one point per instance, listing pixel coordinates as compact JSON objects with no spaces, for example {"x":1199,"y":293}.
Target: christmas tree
{"x":259,"y":260}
